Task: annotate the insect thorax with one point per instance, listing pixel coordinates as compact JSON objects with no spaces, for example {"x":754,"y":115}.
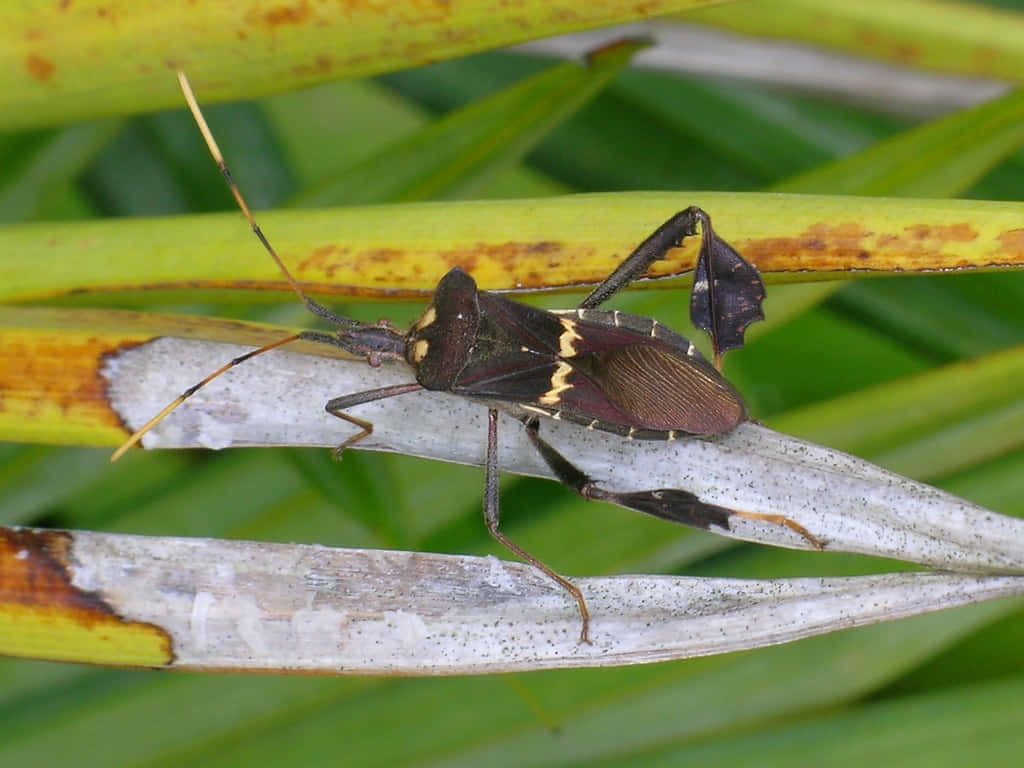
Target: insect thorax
{"x":441,"y":341}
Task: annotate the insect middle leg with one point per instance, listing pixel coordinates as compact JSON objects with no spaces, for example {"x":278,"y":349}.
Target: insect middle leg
{"x":492,"y":515}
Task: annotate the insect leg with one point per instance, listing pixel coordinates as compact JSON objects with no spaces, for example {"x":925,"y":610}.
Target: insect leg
{"x":670,"y":504}
{"x":492,"y":515}
{"x":654,"y":248}
{"x":667,"y":503}
{"x":782,"y":520}
{"x":338,"y":405}
{"x":728,"y":292}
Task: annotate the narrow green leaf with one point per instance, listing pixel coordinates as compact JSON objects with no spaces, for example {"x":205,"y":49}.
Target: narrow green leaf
{"x":950,"y":728}
{"x":765,"y":133}
{"x":455,"y":156}
{"x":919,"y":311}
{"x":566,"y":242}
{"x":40,"y":167}
{"x":961,"y":37}
{"x":94,"y":58}
{"x":942,"y":158}
{"x":926,"y":425}
{"x":939,"y":159}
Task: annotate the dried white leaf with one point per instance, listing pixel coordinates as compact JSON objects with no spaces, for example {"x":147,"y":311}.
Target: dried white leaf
{"x":849,"y":504}
{"x":698,"y":49}
{"x":247,"y":606}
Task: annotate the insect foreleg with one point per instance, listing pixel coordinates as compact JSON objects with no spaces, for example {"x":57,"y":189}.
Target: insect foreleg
{"x":338,"y":405}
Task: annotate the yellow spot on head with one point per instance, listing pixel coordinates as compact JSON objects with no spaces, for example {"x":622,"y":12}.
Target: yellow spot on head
{"x":419,"y":350}
{"x":429,"y":316}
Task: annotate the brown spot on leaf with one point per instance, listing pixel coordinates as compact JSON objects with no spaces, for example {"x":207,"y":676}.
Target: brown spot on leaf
{"x":819,"y":247}
{"x":40,"y":68}
{"x":61,"y":372}
{"x":544,"y":246}
{"x":985,"y":59}
{"x":956,"y":233}
{"x":382,"y":255}
{"x":907,"y":53}
{"x":323,"y":259}
{"x":283,"y":15}
{"x":35,"y":573}
{"x":848,"y":245}
{"x":1012,"y":242}
{"x":321,"y":65}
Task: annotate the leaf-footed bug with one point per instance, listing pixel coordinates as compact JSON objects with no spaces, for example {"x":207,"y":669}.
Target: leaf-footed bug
{"x":606,"y":370}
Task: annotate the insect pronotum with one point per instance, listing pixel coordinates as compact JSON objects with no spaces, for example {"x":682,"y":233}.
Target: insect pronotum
{"x":605,"y":370}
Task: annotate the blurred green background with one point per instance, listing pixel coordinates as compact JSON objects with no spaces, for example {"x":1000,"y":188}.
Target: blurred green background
{"x":937,"y":690}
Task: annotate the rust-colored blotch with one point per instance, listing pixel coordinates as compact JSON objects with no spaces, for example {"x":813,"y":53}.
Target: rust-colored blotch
{"x":44,"y":615}
{"x":39,"y":67}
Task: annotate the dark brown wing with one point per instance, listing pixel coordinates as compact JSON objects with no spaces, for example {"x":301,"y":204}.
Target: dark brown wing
{"x":608,"y":370}
{"x":660,"y":388}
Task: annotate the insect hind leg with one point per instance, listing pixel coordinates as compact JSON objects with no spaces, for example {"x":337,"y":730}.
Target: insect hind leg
{"x":667,"y":503}
{"x":669,"y":235}
{"x":670,"y":504}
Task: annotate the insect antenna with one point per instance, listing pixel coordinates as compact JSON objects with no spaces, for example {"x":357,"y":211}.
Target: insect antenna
{"x":379,"y":341}
{"x":315,"y":307}
{"x":140,"y":433}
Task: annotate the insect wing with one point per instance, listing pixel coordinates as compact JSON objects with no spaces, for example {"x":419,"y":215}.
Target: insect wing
{"x":660,"y":388}
{"x":608,"y":370}
{"x":519,"y":328}
{"x":515,"y":352}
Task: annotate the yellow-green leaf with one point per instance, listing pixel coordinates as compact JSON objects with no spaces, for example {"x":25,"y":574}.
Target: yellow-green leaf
{"x":91,"y":58}
{"x":959,"y":37}
{"x":395,"y":251}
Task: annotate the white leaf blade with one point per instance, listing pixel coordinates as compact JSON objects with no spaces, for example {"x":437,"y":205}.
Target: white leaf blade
{"x":246,"y":606}
{"x":849,"y":504}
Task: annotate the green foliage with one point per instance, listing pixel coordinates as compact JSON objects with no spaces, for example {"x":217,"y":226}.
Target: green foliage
{"x":910,"y":691}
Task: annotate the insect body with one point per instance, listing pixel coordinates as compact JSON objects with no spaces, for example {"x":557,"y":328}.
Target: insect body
{"x":606,"y":370}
